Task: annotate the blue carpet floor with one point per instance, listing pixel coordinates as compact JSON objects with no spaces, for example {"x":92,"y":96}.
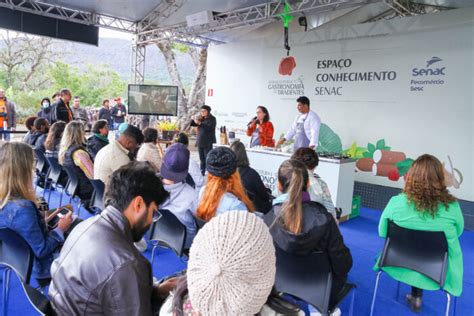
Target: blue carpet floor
{"x":360,"y":235}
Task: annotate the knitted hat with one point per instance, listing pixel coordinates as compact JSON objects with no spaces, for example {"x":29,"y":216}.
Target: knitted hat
{"x":175,"y":163}
{"x":221,"y":162}
{"x":231,"y":268}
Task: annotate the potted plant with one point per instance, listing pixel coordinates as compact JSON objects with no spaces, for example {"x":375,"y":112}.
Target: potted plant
{"x":168,"y":129}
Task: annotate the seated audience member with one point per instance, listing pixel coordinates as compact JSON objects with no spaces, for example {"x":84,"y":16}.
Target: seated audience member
{"x":99,"y":271}
{"x":301,"y":226}
{"x":426,"y":204}
{"x":318,"y":189}
{"x":73,"y":155}
{"x":149,"y":151}
{"x":18,"y":210}
{"x":223,"y":191}
{"x":38,"y":137}
{"x":45,"y":109}
{"x":99,"y":138}
{"x":251,"y":180}
{"x":182,"y":201}
{"x":194,"y":168}
{"x":225,"y":275}
{"x":53,"y":140}
{"x":30,"y":126}
{"x":117,"y":153}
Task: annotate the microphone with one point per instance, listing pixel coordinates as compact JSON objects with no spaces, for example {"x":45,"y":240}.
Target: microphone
{"x":252,"y":121}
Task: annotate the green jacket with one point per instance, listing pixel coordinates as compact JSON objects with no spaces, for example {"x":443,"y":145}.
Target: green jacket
{"x":450,"y":221}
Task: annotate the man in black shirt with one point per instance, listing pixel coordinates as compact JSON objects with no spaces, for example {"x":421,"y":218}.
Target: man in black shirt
{"x":206,"y":125}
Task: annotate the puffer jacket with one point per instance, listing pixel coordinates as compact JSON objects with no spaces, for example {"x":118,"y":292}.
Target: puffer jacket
{"x":319,"y":233}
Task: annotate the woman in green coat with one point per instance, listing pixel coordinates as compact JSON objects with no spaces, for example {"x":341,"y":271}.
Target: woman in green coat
{"x":426,"y":204}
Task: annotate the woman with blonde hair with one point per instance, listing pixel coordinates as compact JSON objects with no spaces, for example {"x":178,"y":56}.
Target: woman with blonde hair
{"x":426,"y":204}
{"x":223,"y":191}
{"x":19,"y":212}
{"x":74,"y":157}
{"x":301,"y":226}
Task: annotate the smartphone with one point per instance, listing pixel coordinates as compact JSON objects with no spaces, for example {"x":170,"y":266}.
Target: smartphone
{"x":53,"y":221}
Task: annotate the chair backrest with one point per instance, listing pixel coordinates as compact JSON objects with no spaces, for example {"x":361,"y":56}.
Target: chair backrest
{"x":423,"y":251}
{"x":16,"y":254}
{"x":55,"y":169}
{"x":73,"y":181}
{"x":97,"y":202}
{"x":41,"y":162}
{"x":169,"y":232}
{"x":308,"y":277}
{"x":199,"y":222}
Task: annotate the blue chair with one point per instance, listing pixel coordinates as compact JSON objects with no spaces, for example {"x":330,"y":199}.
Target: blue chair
{"x":309,"y":278}
{"x":425,"y":252}
{"x":55,"y":174}
{"x":17,"y":256}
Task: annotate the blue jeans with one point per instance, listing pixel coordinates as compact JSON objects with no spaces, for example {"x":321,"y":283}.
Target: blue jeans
{"x":3,"y":135}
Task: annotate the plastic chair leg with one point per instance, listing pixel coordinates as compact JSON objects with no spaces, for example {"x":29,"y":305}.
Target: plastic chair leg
{"x":351,"y":308}
{"x":6,"y":290}
{"x":375,"y":293}
{"x":448,"y":303}
{"x":61,"y":197}
{"x":153,"y":255}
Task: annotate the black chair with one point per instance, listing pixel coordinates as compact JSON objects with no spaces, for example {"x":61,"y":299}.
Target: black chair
{"x":41,"y":168}
{"x":198,"y":222}
{"x":97,"y":200}
{"x":72,"y":187}
{"x":55,"y":174}
{"x":168,"y":232}
{"x":425,"y":252}
{"x":308,"y":278}
{"x":17,"y":256}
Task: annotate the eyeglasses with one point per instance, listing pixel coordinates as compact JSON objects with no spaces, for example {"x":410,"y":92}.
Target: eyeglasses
{"x":156,"y":215}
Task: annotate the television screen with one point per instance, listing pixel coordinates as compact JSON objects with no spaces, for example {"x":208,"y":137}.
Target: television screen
{"x":152,"y":99}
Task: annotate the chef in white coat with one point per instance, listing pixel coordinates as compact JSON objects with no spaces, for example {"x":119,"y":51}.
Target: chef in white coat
{"x":305,"y":128}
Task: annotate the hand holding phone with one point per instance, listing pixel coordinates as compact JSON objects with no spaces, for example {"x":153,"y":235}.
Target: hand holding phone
{"x":65,"y":221}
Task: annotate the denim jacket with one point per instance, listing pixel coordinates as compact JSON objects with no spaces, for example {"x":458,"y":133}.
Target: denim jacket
{"x":24,"y":218}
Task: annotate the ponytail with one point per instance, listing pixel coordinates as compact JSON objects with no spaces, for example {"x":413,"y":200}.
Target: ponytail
{"x":293,"y":177}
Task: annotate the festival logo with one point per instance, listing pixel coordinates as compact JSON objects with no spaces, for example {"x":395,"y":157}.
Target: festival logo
{"x":287,"y":87}
{"x":433,"y":74}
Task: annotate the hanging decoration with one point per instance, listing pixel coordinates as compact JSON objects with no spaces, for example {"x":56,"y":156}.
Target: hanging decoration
{"x":288,"y":63}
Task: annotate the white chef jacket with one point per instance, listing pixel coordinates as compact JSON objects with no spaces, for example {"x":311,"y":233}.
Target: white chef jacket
{"x":312,"y":123}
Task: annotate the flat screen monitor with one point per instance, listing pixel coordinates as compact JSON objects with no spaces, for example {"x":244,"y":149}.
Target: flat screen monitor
{"x":153,"y":99}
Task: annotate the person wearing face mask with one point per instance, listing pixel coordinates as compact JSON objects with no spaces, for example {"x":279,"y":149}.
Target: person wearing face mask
{"x":117,"y":153}
{"x":45,"y":109}
{"x":107,"y":275}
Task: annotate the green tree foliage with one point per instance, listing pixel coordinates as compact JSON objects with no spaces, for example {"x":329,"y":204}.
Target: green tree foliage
{"x":92,"y":85}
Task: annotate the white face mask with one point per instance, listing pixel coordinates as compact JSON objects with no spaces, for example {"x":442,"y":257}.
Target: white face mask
{"x":46,"y":104}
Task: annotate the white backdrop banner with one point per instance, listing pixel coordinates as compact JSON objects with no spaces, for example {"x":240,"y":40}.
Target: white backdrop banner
{"x":402,"y":93}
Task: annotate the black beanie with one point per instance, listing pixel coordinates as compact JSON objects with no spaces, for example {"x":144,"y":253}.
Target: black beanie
{"x":221,"y":162}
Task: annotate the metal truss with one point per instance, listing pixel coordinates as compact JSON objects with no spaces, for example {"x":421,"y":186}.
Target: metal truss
{"x":71,"y":15}
{"x":261,"y":13}
{"x":163,"y":11}
{"x":402,"y":8}
{"x":138,"y":62}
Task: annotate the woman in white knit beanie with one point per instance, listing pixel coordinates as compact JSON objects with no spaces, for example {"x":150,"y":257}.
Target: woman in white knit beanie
{"x":231,"y":271}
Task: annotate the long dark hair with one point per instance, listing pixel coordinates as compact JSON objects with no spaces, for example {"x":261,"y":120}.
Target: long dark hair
{"x":239,"y":149}
{"x":274,"y":300}
{"x":293,"y":178}
{"x":266,"y":118}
